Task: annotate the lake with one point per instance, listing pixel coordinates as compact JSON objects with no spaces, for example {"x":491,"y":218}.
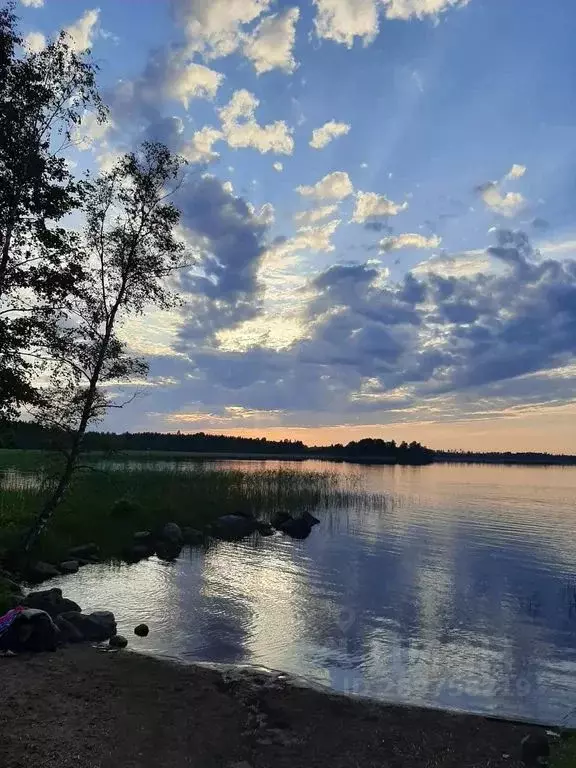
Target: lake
{"x":459,"y":592}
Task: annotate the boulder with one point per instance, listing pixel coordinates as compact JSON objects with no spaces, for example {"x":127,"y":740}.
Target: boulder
{"x":137,"y":552}
{"x":50,"y":601}
{"x":279,"y":519}
{"x":142,"y":537}
{"x":141,"y":630}
{"x":32,"y":630}
{"x":68,"y":632}
{"x":192,"y":536}
{"x":39,"y":571}
{"x":264,"y":529}
{"x":69,"y":566}
{"x":233,"y":527}
{"x":172,"y":533}
{"x":310,"y":518}
{"x":85,"y":551}
{"x":296,"y":527}
{"x":117,"y":641}
{"x":97,"y":626}
{"x":167,"y":550}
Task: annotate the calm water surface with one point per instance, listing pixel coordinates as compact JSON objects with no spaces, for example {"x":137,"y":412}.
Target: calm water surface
{"x":460,"y":594}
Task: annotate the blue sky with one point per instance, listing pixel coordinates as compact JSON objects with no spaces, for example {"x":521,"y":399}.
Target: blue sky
{"x":380,"y":196}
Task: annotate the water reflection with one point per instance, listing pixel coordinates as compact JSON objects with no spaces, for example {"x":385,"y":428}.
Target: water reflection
{"x":459,"y":594}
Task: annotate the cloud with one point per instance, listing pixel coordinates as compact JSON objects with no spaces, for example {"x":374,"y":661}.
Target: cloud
{"x":505,"y":205}
{"x":305,"y":218}
{"x":271,"y":45}
{"x":278,"y":167}
{"x":344,"y":20}
{"x":516,"y":172}
{"x":35,"y":41}
{"x":370,"y":206}
{"x":82,"y":31}
{"x":33,"y":3}
{"x":321,"y":137}
{"x":91,"y":131}
{"x":214,"y":28}
{"x":241,"y":129}
{"x":407,"y":9}
{"x":199,"y":148}
{"x":311,"y":238}
{"x":192,"y":82}
{"x":334,"y":186}
{"x":229,"y":238}
{"x":409,"y":240}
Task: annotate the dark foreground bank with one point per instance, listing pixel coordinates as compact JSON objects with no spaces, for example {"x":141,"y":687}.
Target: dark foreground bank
{"x":83,"y":707}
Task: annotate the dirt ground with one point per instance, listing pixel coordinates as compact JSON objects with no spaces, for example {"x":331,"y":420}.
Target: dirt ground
{"x":83,"y":707}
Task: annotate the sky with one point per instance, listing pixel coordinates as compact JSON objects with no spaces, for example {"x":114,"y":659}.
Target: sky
{"x":379,"y":197}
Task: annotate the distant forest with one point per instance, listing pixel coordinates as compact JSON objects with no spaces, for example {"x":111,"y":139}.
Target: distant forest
{"x":27,"y":435}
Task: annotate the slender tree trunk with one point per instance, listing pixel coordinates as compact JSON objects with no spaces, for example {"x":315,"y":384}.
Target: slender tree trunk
{"x":56,"y":497}
{"x":5,"y":255}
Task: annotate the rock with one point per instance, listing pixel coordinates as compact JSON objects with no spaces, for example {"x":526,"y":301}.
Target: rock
{"x":310,"y":519}
{"x":141,"y":537}
{"x":97,"y":626}
{"x":69,"y":566}
{"x":172,"y":533}
{"x":137,"y":552}
{"x":233,"y":527}
{"x":50,"y":601}
{"x":85,"y":551}
{"x":167,"y":550}
{"x":264,"y":529}
{"x":244,"y":513}
{"x":117,"y":641}
{"x":141,"y":630}
{"x":32,"y":630}
{"x":192,"y":536}
{"x":68,"y":632}
{"x":297,"y":528}
{"x":279,"y":519}
{"x":534,"y":749}
{"x":39,"y":571}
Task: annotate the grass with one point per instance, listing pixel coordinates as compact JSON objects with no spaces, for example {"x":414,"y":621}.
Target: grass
{"x":564,"y":754}
{"x":107,"y":506}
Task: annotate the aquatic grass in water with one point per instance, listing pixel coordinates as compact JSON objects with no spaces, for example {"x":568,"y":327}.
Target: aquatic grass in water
{"x":108,"y":505}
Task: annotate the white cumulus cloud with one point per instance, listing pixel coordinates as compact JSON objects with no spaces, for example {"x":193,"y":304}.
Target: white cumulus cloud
{"x":241,"y":129}
{"x":369,"y":205}
{"x":334,"y":186}
{"x":194,"y":81}
{"x":407,"y":9}
{"x":91,"y":131}
{"x":327,"y":133}
{"x":305,"y":218}
{"x":33,"y":3}
{"x":199,"y":148}
{"x":344,"y":20}
{"x":81,"y":32}
{"x":278,"y":167}
{"x":214,"y":28}
{"x":271,"y":45}
{"x":516,"y":172}
{"x":35,"y":42}
{"x":505,"y":205}
{"x":409,"y":240}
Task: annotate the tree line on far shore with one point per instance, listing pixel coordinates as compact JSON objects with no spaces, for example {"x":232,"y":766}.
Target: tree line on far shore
{"x":30,"y":436}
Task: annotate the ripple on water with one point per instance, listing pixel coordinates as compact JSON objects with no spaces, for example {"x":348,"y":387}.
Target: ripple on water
{"x":459,"y":594}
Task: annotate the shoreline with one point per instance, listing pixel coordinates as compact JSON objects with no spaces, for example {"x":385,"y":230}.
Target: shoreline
{"x":80,"y":706}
